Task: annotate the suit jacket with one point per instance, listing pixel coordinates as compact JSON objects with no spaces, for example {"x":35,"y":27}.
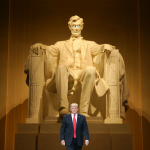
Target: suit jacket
{"x":67,"y":131}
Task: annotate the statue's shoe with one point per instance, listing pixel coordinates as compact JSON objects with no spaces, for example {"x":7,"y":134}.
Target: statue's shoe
{"x":63,"y":112}
{"x":85,"y":114}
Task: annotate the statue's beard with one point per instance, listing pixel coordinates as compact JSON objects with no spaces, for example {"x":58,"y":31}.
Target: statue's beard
{"x":76,"y":34}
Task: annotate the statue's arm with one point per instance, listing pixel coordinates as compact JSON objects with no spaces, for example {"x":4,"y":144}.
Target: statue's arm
{"x":97,"y":49}
{"x":50,"y":57}
{"x":53,"y":49}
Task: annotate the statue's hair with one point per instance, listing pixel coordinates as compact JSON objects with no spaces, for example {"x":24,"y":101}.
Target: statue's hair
{"x":74,"y":104}
{"x":74,"y":19}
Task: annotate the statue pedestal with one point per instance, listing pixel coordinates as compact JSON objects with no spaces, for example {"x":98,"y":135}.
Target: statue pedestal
{"x":34,"y":120}
{"x":93,"y":120}
{"x":113,"y":121}
{"x":47,"y":136}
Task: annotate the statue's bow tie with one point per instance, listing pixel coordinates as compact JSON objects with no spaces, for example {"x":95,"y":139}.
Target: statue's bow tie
{"x":76,"y":38}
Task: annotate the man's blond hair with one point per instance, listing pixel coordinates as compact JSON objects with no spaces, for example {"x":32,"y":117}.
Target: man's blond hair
{"x":74,"y":104}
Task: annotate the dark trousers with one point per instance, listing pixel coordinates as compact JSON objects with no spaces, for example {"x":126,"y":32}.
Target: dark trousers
{"x":74,"y":145}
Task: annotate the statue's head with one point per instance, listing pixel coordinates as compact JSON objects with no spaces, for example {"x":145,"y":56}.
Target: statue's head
{"x":75,"y":25}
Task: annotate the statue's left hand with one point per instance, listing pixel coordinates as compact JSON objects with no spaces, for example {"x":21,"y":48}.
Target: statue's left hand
{"x":108,"y":48}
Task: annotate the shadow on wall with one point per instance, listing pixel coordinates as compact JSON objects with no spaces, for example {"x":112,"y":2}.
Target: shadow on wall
{"x":140,"y":129}
{"x":16,"y":115}
{"x":2,"y":132}
{"x":146,"y":132}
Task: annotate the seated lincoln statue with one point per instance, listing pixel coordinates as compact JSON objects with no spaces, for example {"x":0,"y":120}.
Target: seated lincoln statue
{"x":70,"y":63}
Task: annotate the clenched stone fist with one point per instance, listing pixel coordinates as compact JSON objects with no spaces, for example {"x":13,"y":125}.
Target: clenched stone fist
{"x":37,"y":47}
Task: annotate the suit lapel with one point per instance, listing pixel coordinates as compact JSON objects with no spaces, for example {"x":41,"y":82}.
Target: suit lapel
{"x":78,"y":120}
{"x":71,"y":120}
{"x":68,"y":44}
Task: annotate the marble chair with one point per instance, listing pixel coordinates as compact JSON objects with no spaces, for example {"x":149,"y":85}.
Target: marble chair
{"x":40,"y":68}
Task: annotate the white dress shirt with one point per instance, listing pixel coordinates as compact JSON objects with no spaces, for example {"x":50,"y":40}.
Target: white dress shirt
{"x":76,"y":115}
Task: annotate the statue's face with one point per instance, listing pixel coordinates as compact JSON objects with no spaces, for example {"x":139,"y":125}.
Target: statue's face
{"x":76,"y":28}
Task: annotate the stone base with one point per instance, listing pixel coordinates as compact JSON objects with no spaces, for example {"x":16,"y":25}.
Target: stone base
{"x":26,"y":141}
{"x":34,"y":120}
{"x":46,"y":136}
{"x":28,"y":128}
{"x":47,"y":141}
{"x":51,"y":141}
{"x":93,"y":128}
{"x":113,"y":121}
{"x":90,"y":120}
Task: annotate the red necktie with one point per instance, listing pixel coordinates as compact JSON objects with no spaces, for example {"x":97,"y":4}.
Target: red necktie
{"x":74,"y":126}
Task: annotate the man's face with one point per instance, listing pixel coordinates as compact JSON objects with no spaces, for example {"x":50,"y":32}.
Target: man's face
{"x":76,"y":28}
{"x":74,"y":109}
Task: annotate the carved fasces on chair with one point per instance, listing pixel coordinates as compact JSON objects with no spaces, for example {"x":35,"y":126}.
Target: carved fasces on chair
{"x":36,"y":83}
{"x":112,"y":79}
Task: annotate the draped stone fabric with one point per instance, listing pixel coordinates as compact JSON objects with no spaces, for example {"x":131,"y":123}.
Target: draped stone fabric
{"x":99,"y":62}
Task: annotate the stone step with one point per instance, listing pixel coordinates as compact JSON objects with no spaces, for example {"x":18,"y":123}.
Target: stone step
{"x":93,"y":128}
{"x":28,"y":128}
{"x":51,"y":141}
{"x":93,"y":120}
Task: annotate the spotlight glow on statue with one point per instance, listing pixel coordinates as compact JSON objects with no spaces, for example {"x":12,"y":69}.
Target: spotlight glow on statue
{"x":80,"y":61}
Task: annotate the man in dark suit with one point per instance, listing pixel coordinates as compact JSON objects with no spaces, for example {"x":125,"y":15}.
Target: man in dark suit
{"x":72,"y":129}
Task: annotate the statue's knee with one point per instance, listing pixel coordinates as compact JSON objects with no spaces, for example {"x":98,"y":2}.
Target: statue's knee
{"x":61,"y":67}
{"x":90,"y":70}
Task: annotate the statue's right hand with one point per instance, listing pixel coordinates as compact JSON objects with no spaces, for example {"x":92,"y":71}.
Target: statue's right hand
{"x":37,"y":47}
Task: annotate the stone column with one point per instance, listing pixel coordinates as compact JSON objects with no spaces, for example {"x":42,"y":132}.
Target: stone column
{"x":36,"y":84}
{"x":113,"y":96}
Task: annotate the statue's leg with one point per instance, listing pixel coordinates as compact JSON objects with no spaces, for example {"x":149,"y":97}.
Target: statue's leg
{"x":87,"y":78}
{"x":61,"y":80}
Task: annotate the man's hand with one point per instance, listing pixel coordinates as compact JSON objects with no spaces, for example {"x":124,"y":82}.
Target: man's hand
{"x":86,"y":142}
{"x":63,"y":142}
